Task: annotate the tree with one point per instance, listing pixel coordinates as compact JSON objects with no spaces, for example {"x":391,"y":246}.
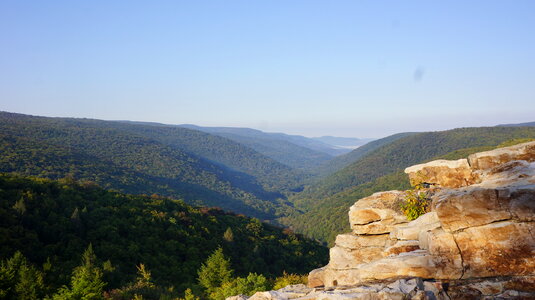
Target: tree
{"x":20,"y":280}
{"x":86,"y":281}
{"x":245,"y":286}
{"x":215,"y":271}
{"x":19,"y":206}
{"x":228,"y":235}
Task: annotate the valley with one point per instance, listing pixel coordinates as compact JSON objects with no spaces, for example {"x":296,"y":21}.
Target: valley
{"x":169,"y":196}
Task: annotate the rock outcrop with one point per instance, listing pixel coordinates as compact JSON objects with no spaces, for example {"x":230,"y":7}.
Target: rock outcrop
{"x":476,"y":242}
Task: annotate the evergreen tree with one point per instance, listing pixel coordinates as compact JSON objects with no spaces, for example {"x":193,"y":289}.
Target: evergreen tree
{"x":228,"y":235}
{"x":215,"y":271}
{"x":86,"y":281}
{"x":20,"y":280}
{"x":245,"y":286}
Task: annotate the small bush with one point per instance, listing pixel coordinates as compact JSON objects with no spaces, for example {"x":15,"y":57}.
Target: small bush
{"x":289,"y":279}
{"x":416,"y":203}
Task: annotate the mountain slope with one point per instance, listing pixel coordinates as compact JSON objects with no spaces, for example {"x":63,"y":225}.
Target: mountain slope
{"x":132,"y":162}
{"x":344,"y":160}
{"x":294,"y":150}
{"x":281,"y":150}
{"x":55,"y":221}
{"x":273,"y":175}
{"x":326,"y":202}
{"x":342,"y":141}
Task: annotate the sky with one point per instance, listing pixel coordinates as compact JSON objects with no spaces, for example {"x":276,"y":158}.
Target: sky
{"x":343,"y":68}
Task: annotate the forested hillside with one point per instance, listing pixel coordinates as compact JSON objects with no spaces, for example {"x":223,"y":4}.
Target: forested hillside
{"x":52,"y":222}
{"x":344,"y":160}
{"x":147,"y":160}
{"x":328,"y":201}
{"x":271,"y":174}
{"x":296,"y":151}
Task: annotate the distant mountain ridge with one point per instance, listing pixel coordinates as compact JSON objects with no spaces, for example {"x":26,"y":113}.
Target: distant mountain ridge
{"x":344,"y":160}
{"x":528,"y":124}
{"x":342,"y":142}
{"x":296,"y":151}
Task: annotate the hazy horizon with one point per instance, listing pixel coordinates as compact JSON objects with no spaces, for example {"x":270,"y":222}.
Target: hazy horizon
{"x":285,"y":130}
{"x":363,"y":69}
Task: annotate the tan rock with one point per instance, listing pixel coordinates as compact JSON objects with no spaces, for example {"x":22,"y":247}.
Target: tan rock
{"x":296,"y":291}
{"x":480,"y":238}
{"x":476,"y":206}
{"x":402,"y":246}
{"x":344,"y":258}
{"x":316,"y":278}
{"x":498,"y":249}
{"x":444,"y":173}
{"x":269,"y":295}
{"x":237,"y":297}
{"x":411,"y":230}
{"x":510,"y":174}
{"x":411,"y":264}
{"x":490,"y":159}
{"x":472,"y":206}
{"x":377,"y":214}
{"x":443,"y":248}
{"x":352,"y":241}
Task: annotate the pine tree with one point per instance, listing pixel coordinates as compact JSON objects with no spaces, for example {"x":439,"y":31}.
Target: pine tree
{"x":215,"y":271}
{"x":86,"y":281}
{"x":228,"y":235}
{"x":20,"y":280}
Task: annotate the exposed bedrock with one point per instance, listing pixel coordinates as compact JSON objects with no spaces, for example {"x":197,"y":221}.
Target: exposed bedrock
{"x":480,"y":224}
{"x":477,"y":240}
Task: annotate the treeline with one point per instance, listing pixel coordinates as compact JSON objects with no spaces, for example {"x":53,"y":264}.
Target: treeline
{"x":52,"y":223}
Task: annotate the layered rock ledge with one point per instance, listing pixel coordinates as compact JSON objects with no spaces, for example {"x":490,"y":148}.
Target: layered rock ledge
{"x":476,"y":242}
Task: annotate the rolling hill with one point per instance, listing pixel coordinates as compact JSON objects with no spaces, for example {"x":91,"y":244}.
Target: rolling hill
{"x":344,"y":160}
{"x":296,"y":151}
{"x":133,"y":158}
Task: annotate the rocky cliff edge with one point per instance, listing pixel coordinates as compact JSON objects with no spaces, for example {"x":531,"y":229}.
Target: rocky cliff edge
{"x":477,"y":240}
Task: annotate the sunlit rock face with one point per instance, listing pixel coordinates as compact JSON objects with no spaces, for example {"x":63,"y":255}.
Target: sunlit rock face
{"x":476,"y":242}
{"x":481,"y":224}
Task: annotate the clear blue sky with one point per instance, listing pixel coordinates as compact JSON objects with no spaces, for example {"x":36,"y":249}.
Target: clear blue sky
{"x":346,"y":68}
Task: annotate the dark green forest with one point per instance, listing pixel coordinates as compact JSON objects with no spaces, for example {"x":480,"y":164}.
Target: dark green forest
{"x":53,"y":222}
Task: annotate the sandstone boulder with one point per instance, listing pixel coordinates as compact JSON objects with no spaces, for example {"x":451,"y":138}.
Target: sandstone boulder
{"x":490,"y":159}
{"x":344,"y":258}
{"x":377,"y":214}
{"x":402,"y":246}
{"x":352,"y":241}
{"x":444,"y":173}
{"x":411,"y":230}
{"x":476,"y":206}
{"x":269,"y":295}
{"x":498,"y":249}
